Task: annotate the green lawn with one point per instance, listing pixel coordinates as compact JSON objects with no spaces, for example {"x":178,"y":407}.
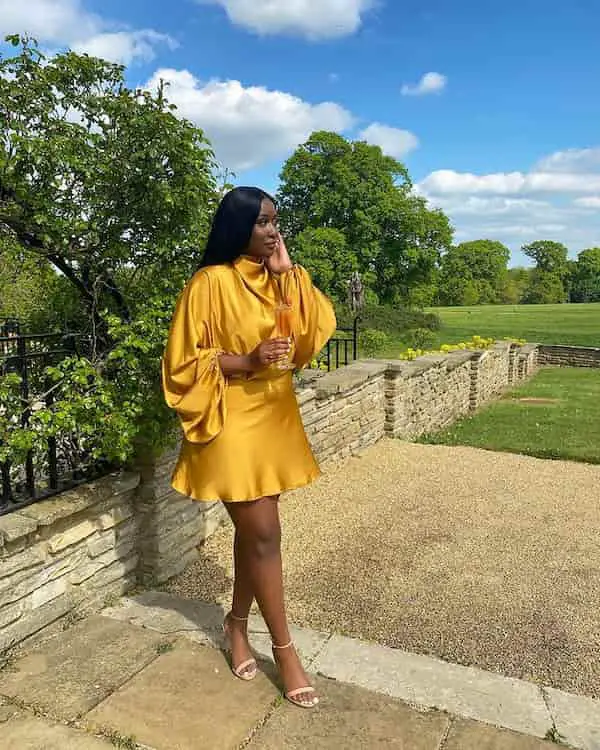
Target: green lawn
{"x":568,"y":427}
{"x":544,"y":324}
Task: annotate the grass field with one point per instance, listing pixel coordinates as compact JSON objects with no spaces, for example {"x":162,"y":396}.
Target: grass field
{"x":555,"y":415}
{"x":544,"y":324}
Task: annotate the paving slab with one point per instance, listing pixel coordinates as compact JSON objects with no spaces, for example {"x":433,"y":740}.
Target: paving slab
{"x":185,"y":700}
{"x":577,"y":718}
{"x":30,"y":733}
{"x":469,"y":735}
{"x":70,"y":673}
{"x":203,"y":623}
{"x":309,"y":643}
{"x":171,"y":615}
{"x":353,"y":719}
{"x":8,"y":710}
{"x":429,"y":682}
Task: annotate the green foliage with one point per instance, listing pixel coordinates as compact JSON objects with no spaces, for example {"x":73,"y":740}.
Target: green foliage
{"x":371,"y":342}
{"x":108,"y":186}
{"x":324,"y":251}
{"x":517,"y":281}
{"x":549,"y":279}
{"x":421,"y":338}
{"x":391,"y":236}
{"x":473,"y":273}
{"x":550,"y":257}
{"x":16,"y":441}
{"x":96,"y":177}
{"x":33,"y":293}
{"x":391,"y":320}
{"x":585,"y":277}
{"x":544,"y":288}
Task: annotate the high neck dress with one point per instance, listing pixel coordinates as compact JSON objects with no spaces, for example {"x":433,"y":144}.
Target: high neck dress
{"x":243,"y":436}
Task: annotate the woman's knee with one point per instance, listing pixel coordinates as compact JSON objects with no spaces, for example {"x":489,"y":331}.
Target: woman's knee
{"x":261,"y":536}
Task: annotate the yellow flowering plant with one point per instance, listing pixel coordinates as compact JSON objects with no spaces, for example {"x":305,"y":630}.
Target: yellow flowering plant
{"x":475,"y":343}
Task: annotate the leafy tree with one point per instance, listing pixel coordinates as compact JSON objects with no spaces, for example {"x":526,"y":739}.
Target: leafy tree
{"x":550,"y":257}
{"x":585,"y":278}
{"x":32,"y":292}
{"x":517,"y":281}
{"x":107,"y":185}
{"x":324,"y":251}
{"x":473,"y":273}
{"x":393,"y":239}
{"x":544,"y":289}
{"x":95,"y":177}
{"x":550,"y":280}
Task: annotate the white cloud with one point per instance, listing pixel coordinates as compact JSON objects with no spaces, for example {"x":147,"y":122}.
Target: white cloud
{"x":248,"y":126}
{"x":392,"y":141}
{"x":590,"y":201}
{"x":578,"y":161}
{"x":449,"y":182}
{"x":430,"y":83}
{"x":67,"y":23}
{"x":124,"y":46}
{"x":47,"y":20}
{"x":557,"y":199}
{"x":313,"y":19}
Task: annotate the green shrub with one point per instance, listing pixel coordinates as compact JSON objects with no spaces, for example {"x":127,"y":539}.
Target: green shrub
{"x":393,"y":321}
{"x":371,"y":342}
{"x":420,"y":338}
{"x":432,"y":321}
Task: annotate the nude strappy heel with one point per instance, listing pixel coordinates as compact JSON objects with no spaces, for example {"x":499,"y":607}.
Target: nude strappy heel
{"x":248,"y":669}
{"x":292,"y":695}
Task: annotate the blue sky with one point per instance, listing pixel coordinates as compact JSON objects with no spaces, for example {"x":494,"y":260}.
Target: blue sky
{"x":495,"y":110}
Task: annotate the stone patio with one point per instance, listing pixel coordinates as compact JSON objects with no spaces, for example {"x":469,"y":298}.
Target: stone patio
{"x":148,"y":674}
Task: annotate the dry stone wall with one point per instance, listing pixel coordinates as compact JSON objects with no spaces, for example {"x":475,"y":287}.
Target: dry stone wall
{"x":343,"y":412}
{"x":427,"y":394}
{"x":69,"y":553}
{"x":66,"y":554}
{"x":570,"y":356}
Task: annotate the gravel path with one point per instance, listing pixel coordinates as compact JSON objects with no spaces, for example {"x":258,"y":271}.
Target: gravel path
{"x":480,"y":558}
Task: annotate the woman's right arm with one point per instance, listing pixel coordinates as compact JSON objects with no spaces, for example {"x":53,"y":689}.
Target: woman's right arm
{"x":195,"y":369}
{"x":193,"y":383}
{"x":266,"y":353}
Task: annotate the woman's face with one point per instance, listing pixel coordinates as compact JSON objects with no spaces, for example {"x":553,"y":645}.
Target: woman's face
{"x":265,"y":235}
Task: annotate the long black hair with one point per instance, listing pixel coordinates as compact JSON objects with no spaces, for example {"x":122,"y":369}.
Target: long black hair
{"x":233,"y":225}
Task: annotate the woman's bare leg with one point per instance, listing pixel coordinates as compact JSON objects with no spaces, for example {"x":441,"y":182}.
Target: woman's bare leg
{"x":258,"y":535}
{"x":237,"y":624}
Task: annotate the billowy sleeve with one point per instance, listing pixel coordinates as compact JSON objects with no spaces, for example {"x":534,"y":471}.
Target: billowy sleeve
{"x":314,"y":316}
{"x":193,"y":383}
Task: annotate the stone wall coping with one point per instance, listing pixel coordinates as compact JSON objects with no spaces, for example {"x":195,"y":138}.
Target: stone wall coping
{"x":554,"y":347}
{"x":26,"y":521}
{"x":528,"y":348}
{"x":502,"y":346}
{"x":349,"y":377}
{"x":456,"y":359}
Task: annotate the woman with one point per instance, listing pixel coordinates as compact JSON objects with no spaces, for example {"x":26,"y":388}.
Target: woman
{"x":244,"y":441}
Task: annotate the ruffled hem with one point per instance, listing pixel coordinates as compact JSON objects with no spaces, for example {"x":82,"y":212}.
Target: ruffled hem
{"x":271,"y":492}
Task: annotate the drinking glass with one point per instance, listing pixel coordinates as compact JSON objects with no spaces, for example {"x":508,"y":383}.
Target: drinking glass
{"x":284,"y":329}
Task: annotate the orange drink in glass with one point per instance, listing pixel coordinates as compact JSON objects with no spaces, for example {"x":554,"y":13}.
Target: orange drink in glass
{"x":284,"y":328}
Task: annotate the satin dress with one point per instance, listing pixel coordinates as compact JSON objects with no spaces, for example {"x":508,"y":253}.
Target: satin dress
{"x":243,"y":436}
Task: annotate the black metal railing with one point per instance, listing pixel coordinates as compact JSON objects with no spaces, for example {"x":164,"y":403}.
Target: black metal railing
{"x":342,"y":349}
{"x":61,"y":462}
{"x":9,"y":327}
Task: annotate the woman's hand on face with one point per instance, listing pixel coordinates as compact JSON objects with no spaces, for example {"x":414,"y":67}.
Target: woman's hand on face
{"x":268,"y":352}
{"x":280,"y":261}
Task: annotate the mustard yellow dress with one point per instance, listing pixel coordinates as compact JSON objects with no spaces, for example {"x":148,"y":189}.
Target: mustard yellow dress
{"x":243,"y":436}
